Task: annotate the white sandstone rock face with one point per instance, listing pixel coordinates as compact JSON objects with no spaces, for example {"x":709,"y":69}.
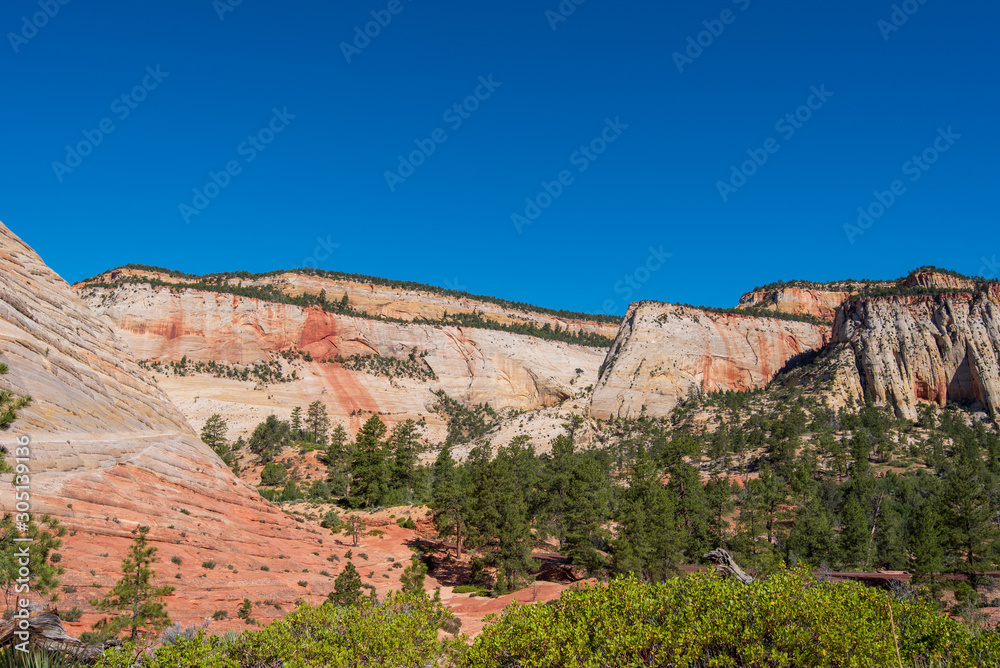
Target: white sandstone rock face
{"x":471,"y":365}
{"x":914,"y":349}
{"x":664,"y":352}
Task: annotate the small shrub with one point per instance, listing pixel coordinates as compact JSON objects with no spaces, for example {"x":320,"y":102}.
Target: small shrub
{"x":265,"y":568}
{"x":176,"y":560}
{"x":220,"y":615}
{"x":72,"y":615}
{"x":210,"y":564}
{"x":303,"y":583}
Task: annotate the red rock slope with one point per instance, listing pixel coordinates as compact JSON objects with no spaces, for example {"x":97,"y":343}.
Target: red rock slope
{"x":110,"y":452}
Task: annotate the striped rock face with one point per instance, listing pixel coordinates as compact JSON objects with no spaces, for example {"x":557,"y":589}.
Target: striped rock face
{"x":110,"y":452}
{"x":664,"y":352}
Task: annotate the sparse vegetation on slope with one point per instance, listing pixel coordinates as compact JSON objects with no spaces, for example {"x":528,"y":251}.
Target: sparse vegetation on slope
{"x":414,"y":366}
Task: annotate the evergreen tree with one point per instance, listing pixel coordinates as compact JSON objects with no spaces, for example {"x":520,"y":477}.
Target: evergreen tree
{"x":371,"y":474}
{"x":450,"y":498}
{"x":214,"y":434}
{"x":719,"y":495}
{"x":811,"y":536}
{"x":46,"y":537}
{"x":771,"y":493}
{"x":648,"y":542}
{"x":317,"y":423}
{"x":499,"y":522}
{"x":890,"y":540}
{"x":575,"y":502}
{"x":969,"y":518}
{"x":413,"y":577}
{"x":296,"y":423}
{"x":354,"y":528}
{"x":134,"y":600}
{"x":852,"y":545}
{"x":691,"y":508}
{"x":925,"y":542}
{"x":339,"y":457}
{"x":404,"y":444}
{"x":268,"y":438}
{"x":347,"y":588}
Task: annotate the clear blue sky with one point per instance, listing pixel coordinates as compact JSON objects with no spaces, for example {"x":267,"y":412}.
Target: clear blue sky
{"x":449,"y":222}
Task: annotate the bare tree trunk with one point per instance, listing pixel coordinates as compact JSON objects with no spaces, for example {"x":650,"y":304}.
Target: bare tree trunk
{"x":726,"y":566}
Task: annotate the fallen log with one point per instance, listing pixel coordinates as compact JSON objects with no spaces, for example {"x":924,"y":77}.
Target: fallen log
{"x":44,"y":630}
{"x":726,"y":566}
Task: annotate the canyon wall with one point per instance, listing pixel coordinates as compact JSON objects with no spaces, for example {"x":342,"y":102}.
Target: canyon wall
{"x":913,"y":349}
{"x":471,"y":365}
{"x":664,"y":352}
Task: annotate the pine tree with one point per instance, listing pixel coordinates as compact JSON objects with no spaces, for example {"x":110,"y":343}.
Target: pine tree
{"x":967,"y":512}
{"x":450,"y":498}
{"x":852,"y":545}
{"x":347,"y":587}
{"x":719,"y":494}
{"x":575,"y":502}
{"x":691,"y":507}
{"x":338,"y":457}
{"x":925,"y":542}
{"x":648,"y":542}
{"x":297,"y":422}
{"x":317,"y":423}
{"x":214,"y":434}
{"x":268,"y":438}
{"x":404,"y":444}
{"x":499,"y":522}
{"x":371,"y":474}
{"x":890,"y":542}
{"x":134,"y":600}
{"x":46,"y":537}
{"x":811,"y":536}
{"x":413,"y":577}
{"x":354,"y":527}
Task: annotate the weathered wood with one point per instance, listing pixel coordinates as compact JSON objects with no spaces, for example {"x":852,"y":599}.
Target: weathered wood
{"x":726,"y":566}
{"x":45,"y":631}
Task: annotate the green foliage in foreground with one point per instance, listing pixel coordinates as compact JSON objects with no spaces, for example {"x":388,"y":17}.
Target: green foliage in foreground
{"x":402,"y":630}
{"x":787,"y":621}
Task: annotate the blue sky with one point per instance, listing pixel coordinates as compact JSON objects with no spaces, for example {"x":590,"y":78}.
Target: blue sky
{"x":609,"y":132}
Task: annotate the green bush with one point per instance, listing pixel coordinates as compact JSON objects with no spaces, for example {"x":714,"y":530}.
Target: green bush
{"x":787,"y":621}
{"x":403,"y":630}
{"x":332,"y":521}
{"x":72,"y":615}
{"x":273,"y":474}
{"x":201,"y":651}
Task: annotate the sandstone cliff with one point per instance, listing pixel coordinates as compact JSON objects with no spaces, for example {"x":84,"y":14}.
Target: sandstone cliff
{"x":399,"y":300}
{"x":109,"y":452}
{"x":471,"y":365}
{"x":818,"y":303}
{"x":663,"y":352}
{"x":926,"y":348}
{"x":821,"y":300}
